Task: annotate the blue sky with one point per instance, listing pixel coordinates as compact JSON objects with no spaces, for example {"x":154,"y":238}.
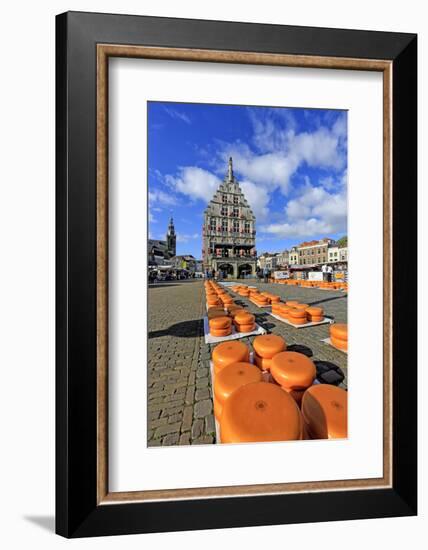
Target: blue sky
{"x":291,"y":164}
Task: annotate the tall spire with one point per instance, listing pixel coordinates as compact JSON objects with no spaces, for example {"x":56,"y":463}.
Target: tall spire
{"x":230,"y":170}
{"x":171,"y":229}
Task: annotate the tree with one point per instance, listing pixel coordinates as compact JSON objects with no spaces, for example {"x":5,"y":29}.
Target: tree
{"x":342,"y":242}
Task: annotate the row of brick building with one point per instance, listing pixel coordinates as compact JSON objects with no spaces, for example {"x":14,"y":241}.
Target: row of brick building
{"x":307,"y":254}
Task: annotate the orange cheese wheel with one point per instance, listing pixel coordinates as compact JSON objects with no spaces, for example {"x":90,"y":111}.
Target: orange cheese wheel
{"x":215,"y":312}
{"x":301,"y":306}
{"x":325,"y":411}
{"x":275,"y":299}
{"x":233,"y":377}
{"x":339,"y":330}
{"x":220,"y":322}
{"x":338,"y":343}
{"x":297,"y":320}
{"x":262,"y":362}
{"x":244,"y":318}
{"x":213,"y":301}
{"x":234,"y":312}
{"x":245,"y":328}
{"x":313,"y":319}
{"x":259,"y":412}
{"x":292,"y":370}
{"x":229,"y":352}
{"x":218,"y":332}
{"x":217,"y":408}
{"x":315,"y":311}
{"x":268,"y":345}
{"x":297,"y":313}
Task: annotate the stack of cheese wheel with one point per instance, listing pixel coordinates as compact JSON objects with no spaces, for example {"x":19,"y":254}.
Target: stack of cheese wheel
{"x":284,"y":310}
{"x":227,"y":299}
{"x":213,"y":300}
{"x":244,"y":321}
{"x":244,"y":292}
{"x":260,"y":299}
{"x":339,"y":336}
{"x":325,"y":412}
{"x":265,"y":347}
{"x":230,"y":379}
{"x":258,"y":412}
{"x":235,"y":310}
{"x":274,"y":299}
{"x":227,"y":353}
{"x":276,"y":306}
{"x":294,"y":372}
{"x":297,"y":316}
{"x":291,"y":303}
{"x":215,"y":312}
{"x":220,"y":326}
{"x":315,"y":314}
{"x":233,"y":307}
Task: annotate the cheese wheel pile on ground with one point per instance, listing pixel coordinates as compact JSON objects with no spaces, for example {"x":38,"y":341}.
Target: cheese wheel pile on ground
{"x":265,"y":347}
{"x":339,"y":336}
{"x":231,"y":378}
{"x":294,"y":372}
{"x":244,"y":321}
{"x":227,"y":353}
{"x":260,"y":411}
{"x":325,"y":412}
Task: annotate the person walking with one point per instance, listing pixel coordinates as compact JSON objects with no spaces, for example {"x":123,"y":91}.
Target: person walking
{"x":266,"y":274}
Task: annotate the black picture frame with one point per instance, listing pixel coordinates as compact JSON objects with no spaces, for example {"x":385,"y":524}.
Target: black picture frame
{"x":77,"y":511}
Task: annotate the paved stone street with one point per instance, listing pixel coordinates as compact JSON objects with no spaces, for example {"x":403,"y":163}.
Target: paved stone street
{"x":180,"y":410}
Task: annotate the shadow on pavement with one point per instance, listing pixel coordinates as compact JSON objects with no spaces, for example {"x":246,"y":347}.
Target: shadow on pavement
{"x":327,"y":299}
{"x":300,"y":348}
{"x":184,"y":329}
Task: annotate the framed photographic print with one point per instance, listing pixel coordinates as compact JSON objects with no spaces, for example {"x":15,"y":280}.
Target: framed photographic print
{"x":231,"y":198}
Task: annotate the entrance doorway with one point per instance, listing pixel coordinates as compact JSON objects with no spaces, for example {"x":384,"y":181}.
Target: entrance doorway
{"x":243,"y":270}
{"x":226,"y":269}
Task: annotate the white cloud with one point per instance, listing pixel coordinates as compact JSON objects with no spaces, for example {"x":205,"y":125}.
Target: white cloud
{"x":194,"y":182}
{"x":314,"y":212}
{"x":257,"y":197}
{"x":178,"y":115}
{"x":183,"y":238}
{"x":280,"y":150}
{"x":152,"y":219}
{"x":160,"y":197}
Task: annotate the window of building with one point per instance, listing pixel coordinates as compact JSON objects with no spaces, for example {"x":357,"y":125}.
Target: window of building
{"x":224,"y":198}
{"x":236,"y":226}
{"x":247,"y":227}
{"x":235,"y":199}
{"x":212,"y":224}
{"x":235,"y":212}
{"x":224,"y":225}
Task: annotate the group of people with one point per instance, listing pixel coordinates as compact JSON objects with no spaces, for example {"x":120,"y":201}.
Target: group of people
{"x":263,"y":273}
{"x":213,"y":274}
{"x":327,"y":273}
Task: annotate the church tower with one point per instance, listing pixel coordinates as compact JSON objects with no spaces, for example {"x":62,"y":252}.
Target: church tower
{"x":171,"y":238}
{"x":229,"y":230}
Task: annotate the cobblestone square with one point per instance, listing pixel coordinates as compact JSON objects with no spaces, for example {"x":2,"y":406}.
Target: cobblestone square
{"x":180,"y":408}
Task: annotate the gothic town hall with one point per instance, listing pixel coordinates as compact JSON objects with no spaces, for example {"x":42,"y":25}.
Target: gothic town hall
{"x":228,"y":233}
